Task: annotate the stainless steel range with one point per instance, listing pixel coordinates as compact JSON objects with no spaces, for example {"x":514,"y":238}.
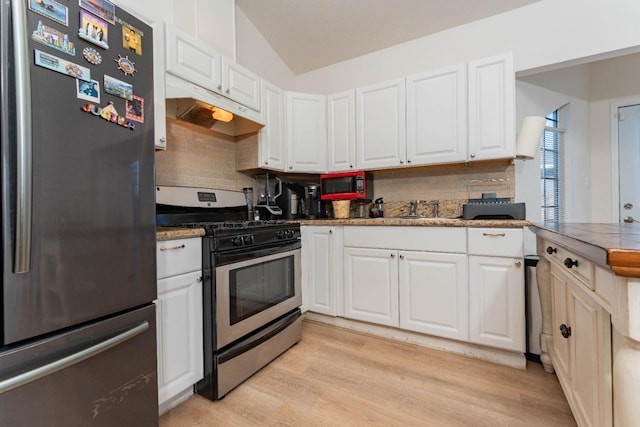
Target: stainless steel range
{"x":251,"y":282}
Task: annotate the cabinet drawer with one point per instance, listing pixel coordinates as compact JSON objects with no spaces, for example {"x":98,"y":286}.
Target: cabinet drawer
{"x":506,"y":242}
{"x":178,"y":256}
{"x":580,"y":267}
{"x":416,"y":238}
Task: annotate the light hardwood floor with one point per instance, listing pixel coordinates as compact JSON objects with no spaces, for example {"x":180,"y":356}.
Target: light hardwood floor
{"x":335,"y":377}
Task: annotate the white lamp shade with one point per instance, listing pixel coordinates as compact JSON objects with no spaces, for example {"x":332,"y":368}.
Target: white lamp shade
{"x":528,"y":142}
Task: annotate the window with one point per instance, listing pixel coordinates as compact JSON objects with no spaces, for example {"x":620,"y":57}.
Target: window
{"x":551,"y":202}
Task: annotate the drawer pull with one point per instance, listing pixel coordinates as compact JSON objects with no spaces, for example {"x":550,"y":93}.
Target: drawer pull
{"x":565,"y":330}
{"x":393,"y":255}
{"x":172,"y":248}
{"x":494,"y":234}
{"x":551,"y":250}
{"x":569,"y":263}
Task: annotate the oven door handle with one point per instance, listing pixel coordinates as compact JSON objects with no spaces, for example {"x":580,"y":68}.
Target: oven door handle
{"x":259,"y":338}
{"x":230,"y":257}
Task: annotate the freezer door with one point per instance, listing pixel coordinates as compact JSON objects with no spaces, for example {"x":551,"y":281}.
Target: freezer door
{"x":92,"y":244}
{"x":109,"y":380}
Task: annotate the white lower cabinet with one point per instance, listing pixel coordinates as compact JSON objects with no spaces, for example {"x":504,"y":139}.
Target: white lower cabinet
{"x":496,"y":302}
{"x":434,"y":294}
{"x":321,"y":262}
{"x":179,"y":317}
{"x":371,"y":285}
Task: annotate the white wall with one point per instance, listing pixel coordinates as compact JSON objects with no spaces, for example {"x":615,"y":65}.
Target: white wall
{"x":539,"y":101}
{"x":544,"y":33}
{"x":257,"y":55}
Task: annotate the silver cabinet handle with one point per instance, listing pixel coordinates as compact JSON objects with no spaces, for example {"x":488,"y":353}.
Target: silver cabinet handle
{"x":65,"y":362}
{"x":393,"y":255}
{"x":199,"y":279}
{"x":401,"y":256}
{"x":518,"y":264}
{"x":22,"y":261}
{"x":494,"y":234}
{"x":172,"y":248}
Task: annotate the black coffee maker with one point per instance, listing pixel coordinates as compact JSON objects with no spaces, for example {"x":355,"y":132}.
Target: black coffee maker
{"x":291,"y":201}
{"x":314,"y":206}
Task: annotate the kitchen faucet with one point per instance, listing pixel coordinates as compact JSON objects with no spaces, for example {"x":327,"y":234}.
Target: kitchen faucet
{"x":413,"y":205}
{"x":435,"y":208}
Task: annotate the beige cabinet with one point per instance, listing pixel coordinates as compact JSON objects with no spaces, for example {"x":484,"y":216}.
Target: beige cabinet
{"x":380,"y":125}
{"x":437,"y":116}
{"x":581,"y":350}
{"x":321,"y":269}
{"x":306,"y":132}
{"x":491,"y":108}
{"x":179,"y":318}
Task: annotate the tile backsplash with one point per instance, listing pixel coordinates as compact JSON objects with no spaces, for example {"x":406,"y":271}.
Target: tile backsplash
{"x":199,"y":157}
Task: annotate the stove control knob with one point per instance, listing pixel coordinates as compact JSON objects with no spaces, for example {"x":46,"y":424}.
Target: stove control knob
{"x":290,"y":234}
{"x":279,"y":234}
{"x":238,"y":241}
{"x":248,"y":239}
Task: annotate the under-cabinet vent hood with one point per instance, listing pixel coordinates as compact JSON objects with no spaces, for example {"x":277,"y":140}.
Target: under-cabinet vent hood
{"x":194,"y":104}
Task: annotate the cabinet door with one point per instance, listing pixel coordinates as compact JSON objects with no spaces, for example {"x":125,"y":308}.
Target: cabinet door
{"x":496,"y":302}
{"x":240,"y":84}
{"x":179,"y":334}
{"x":341,"y":131}
{"x":319,"y":269}
{"x":380,"y":125}
{"x":371,"y":285}
{"x":590,"y":359}
{"x":437,"y":116}
{"x":272,"y":141}
{"x":434,"y":295}
{"x":193,"y":61}
{"x":306,"y":124}
{"x":492,"y":108}
{"x":560,"y":316}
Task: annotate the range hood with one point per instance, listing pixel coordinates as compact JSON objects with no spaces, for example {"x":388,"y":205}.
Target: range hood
{"x":194,"y":104}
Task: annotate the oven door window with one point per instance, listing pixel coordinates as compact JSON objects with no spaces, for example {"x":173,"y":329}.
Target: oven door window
{"x":256,"y":287}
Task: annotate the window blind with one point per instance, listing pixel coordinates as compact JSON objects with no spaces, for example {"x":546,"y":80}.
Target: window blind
{"x":551,"y":197}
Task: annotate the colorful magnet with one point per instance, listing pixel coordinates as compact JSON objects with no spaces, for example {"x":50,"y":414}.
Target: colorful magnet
{"x":62,"y":66}
{"x":126,"y":65}
{"x":89,"y":91}
{"x":92,"y":55}
{"x":135,"y":109}
{"x":131,"y":39}
{"x":94,"y":30}
{"x":118,"y":88}
{"x":102,"y":8}
{"x":50,"y":9}
{"x":53,"y":38}
{"x":110,"y":114}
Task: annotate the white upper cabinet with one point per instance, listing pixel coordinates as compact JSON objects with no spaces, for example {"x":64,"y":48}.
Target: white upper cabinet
{"x":240,"y":84}
{"x":211,"y":22}
{"x":306,"y":132}
{"x":492,"y":108}
{"x":380,"y":125}
{"x":272,"y":139}
{"x":437,"y":116}
{"x":193,"y":61}
{"x":341,"y":131}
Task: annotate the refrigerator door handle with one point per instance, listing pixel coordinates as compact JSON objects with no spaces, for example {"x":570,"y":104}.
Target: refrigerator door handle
{"x":22,"y":260}
{"x":65,"y":362}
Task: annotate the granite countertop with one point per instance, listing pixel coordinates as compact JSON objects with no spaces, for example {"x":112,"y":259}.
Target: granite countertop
{"x":615,"y":246}
{"x":173,"y":233}
{"x":428,"y":222}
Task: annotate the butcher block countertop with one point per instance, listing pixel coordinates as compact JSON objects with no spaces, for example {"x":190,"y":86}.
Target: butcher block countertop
{"x":423,"y":222}
{"x":615,"y":246}
{"x":173,"y":233}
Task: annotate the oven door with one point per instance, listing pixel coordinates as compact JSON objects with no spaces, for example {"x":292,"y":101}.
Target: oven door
{"x":252,"y":292}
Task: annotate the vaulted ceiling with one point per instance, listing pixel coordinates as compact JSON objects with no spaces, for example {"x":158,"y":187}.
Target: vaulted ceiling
{"x":311,"y":34}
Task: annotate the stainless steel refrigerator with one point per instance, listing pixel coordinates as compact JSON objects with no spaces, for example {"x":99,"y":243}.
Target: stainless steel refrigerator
{"x":78,"y":339}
